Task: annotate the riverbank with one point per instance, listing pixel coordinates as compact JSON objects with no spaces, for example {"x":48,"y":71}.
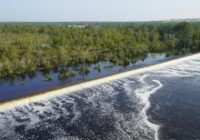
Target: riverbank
{"x":96,"y":82}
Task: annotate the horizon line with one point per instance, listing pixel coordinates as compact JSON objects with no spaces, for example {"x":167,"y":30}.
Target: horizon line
{"x":88,"y":21}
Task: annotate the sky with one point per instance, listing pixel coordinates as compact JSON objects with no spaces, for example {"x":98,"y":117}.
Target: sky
{"x":97,"y":10}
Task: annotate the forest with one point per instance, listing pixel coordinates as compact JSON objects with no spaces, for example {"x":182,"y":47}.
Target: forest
{"x":30,"y":47}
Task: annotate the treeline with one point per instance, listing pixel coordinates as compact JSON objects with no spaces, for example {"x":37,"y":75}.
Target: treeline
{"x":26,"y":48}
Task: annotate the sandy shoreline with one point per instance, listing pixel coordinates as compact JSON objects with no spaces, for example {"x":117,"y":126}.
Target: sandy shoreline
{"x":77,"y":87}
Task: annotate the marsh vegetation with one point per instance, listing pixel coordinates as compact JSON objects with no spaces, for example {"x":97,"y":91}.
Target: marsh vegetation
{"x":26,"y":48}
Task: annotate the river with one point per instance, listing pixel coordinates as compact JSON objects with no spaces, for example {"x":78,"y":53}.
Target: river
{"x":160,"y":104}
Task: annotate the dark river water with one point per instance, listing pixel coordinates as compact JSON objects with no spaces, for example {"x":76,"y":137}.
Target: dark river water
{"x":163,"y":105}
{"x":12,"y":88}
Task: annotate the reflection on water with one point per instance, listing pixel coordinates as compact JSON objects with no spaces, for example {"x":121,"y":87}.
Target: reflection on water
{"x":11,"y":88}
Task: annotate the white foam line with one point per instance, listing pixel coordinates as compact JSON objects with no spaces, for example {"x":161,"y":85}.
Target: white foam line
{"x":147,"y":106}
{"x":68,"y":90}
{"x":144,"y":96}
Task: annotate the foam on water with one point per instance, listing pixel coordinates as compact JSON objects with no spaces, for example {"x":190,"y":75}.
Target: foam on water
{"x":187,"y":68}
{"x":116,"y":106}
{"x":117,"y":101}
{"x":111,"y":108}
{"x":144,"y":94}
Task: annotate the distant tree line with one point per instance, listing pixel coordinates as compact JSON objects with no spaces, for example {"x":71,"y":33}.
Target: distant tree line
{"x":26,"y":48}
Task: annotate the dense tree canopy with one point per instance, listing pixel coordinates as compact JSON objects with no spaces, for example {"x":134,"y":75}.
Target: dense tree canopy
{"x":26,"y":48}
